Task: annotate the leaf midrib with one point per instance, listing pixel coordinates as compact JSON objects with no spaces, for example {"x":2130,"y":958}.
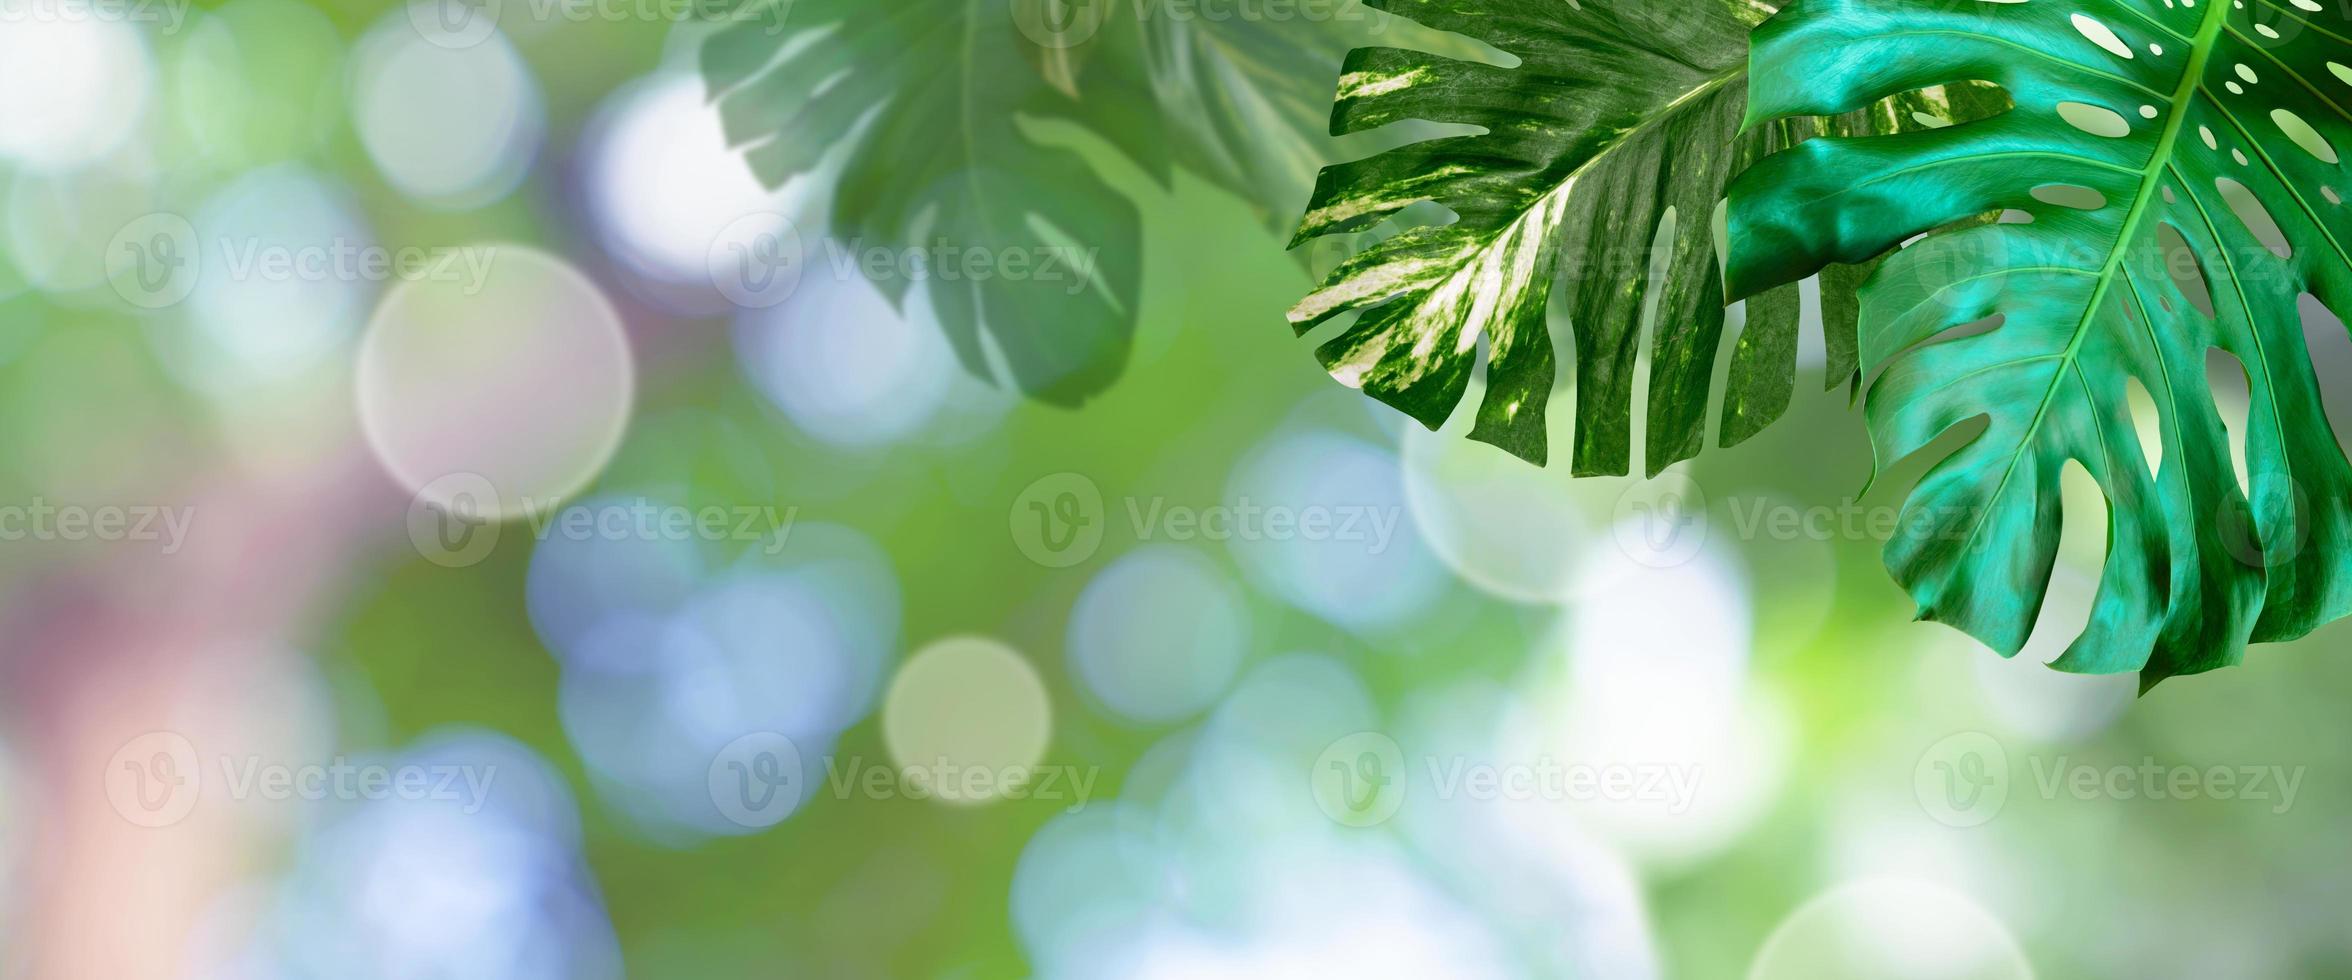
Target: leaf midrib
{"x":1567,"y":184}
{"x":2192,"y":78}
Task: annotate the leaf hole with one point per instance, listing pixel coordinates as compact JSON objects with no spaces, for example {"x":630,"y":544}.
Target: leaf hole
{"x":2330,"y":349}
{"x":2100,"y":34}
{"x":2186,"y":271}
{"x":2095,"y":120}
{"x":2303,"y":135}
{"x":1898,"y":478}
{"x":2254,"y":216}
{"x":2148,"y":425}
{"x":1661,"y":267}
{"x":2074,"y":196}
{"x":2225,"y":378}
{"x":2082,"y":549}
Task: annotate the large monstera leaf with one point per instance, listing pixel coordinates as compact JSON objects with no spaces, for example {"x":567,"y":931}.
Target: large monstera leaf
{"x":941,"y":108}
{"x":2180,"y":167}
{"x":1616,"y":114}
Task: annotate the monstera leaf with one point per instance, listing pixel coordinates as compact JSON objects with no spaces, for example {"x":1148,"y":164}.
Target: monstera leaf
{"x":2179,"y":164}
{"x":939,"y":106}
{"x":1245,"y":99}
{"x":1616,"y":115}
{"x":927,"y":97}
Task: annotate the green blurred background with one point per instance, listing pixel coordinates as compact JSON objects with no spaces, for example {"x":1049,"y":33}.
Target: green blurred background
{"x":1719,"y":746}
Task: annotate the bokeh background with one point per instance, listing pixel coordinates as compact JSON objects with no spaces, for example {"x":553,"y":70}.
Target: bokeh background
{"x":1455,"y":716}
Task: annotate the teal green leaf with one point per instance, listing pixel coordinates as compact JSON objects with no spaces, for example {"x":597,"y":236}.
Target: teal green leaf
{"x":1611,"y":116}
{"x":2180,"y":169}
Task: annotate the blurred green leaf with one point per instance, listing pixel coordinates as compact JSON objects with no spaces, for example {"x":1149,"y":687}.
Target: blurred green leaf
{"x":936,"y":104}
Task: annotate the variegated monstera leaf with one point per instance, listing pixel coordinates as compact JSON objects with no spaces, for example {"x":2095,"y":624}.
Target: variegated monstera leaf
{"x":1612,"y":116}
